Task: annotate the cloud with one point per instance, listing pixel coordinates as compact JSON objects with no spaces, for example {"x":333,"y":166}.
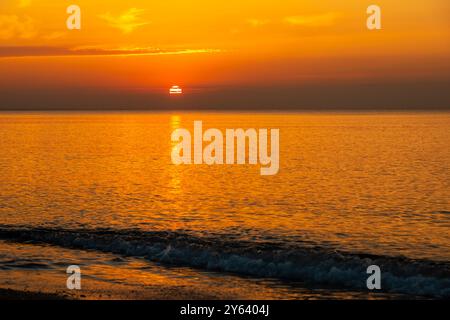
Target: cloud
{"x":30,"y":51}
{"x":54,"y":35}
{"x":127,"y":21}
{"x":24,"y":3}
{"x":258,"y":22}
{"x":12,"y":26}
{"x":321,"y":20}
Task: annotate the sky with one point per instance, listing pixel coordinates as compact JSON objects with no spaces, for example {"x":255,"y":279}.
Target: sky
{"x":232,"y":54}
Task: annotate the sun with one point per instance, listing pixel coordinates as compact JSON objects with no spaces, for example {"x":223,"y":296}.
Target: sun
{"x":175,"y":90}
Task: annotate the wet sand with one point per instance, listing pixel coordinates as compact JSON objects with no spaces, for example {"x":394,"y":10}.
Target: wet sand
{"x":9,"y":294}
{"x":154,"y":293}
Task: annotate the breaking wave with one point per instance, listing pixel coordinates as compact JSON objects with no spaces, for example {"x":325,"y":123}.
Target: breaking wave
{"x":293,"y":262}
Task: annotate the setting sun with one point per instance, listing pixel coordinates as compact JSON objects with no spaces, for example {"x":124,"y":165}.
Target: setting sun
{"x":175,"y":90}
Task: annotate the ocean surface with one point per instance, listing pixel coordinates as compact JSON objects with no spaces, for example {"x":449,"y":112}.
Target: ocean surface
{"x":99,"y":190}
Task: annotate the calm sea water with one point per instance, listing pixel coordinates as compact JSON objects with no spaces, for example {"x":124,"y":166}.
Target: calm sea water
{"x":352,"y":190}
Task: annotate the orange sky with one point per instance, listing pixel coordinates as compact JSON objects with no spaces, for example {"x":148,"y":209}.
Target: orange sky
{"x":147,"y":46}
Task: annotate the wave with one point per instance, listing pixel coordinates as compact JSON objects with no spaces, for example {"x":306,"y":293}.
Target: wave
{"x":315,"y":266}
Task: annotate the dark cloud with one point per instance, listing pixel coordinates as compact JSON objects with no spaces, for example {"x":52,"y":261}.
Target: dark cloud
{"x":31,"y":51}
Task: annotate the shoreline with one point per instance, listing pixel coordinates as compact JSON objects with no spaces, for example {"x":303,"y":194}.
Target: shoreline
{"x":11,"y":295}
{"x":161,"y":293}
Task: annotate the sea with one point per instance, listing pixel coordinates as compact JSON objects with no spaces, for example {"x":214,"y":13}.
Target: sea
{"x":99,"y":190}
